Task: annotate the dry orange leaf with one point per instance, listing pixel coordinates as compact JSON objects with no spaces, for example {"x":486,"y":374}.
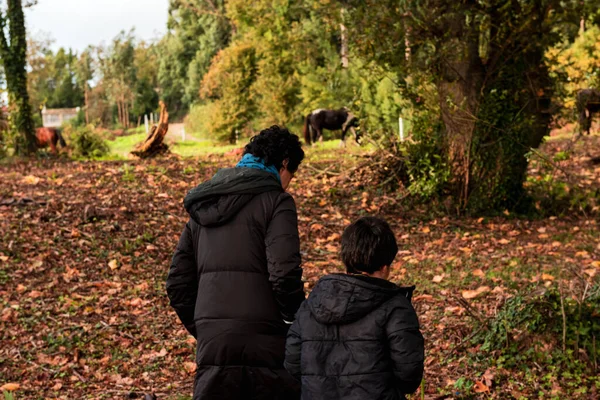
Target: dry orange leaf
{"x":547,"y":277}
{"x":480,"y":387}
{"x":334,"y":236}
{"x":591,"y":272}
{"x":426,"y":229}
{"x":471,"y":294}
{"x":438,"y":278}
{"x":479,"y":273}
{"x":189,"y":366}
{"x":10,"y":386}
{"x":316,"y":227}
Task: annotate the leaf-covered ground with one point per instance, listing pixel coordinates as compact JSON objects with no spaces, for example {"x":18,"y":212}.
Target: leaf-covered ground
{"x":85,"y":249}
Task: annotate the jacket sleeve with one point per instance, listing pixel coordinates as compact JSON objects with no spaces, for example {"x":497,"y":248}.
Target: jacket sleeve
{"x":283,"y":257}
{"x":406,"y":347}
{"x":293,"y":351}
{"x":182,"y":281}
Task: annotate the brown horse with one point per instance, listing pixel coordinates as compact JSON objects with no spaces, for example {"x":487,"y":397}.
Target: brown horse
{"x":49,"y":137}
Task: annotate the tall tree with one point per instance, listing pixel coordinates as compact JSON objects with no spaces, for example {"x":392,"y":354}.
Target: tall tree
{"x":119,"y":73}
{"x":485,"y":59}
{"x":13,"y":51}
{"x":84,"y":71}
{"x":198,"y":29}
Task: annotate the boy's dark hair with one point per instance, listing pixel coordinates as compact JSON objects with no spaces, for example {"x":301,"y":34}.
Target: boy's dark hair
{"x":276,"y":144}
{"x":368,"y":245}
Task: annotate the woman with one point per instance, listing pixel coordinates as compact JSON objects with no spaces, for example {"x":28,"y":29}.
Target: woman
{"x":235,"y":279}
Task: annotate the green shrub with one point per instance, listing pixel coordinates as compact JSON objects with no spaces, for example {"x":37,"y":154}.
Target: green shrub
{"x":85,"y":142}
{"x":197,"y":121}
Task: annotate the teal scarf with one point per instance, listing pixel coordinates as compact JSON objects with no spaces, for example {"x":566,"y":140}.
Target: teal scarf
{"x":251,"y":161}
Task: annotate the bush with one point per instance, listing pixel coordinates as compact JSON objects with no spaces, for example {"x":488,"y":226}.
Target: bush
{"x":86,"y":142}
{"x":544,"y":327}
{"x":197,"y":121}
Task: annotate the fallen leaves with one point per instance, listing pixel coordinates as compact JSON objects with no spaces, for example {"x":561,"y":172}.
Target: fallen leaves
{"x":113,"y":264}
{"x":30,"y":180}
{"x":11,"y":387}
{"x":472,"y":294}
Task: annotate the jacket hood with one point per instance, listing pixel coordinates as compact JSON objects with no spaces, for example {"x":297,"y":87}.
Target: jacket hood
{"x":215,"y":201}
{"x":341,"y":298}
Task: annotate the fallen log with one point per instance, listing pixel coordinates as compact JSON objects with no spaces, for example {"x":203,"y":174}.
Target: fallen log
{"x":153,"y":145}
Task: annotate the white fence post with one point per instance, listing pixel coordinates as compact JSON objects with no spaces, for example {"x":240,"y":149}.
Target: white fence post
{"x":401,"y":128}
{"x":146,"y":122}
{"x":183,"y":134}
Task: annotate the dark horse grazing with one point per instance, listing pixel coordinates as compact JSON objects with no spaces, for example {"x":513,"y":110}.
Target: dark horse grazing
{"x":587,"y":103}
{"x":49,"y":137}
{"x":331,"y":120}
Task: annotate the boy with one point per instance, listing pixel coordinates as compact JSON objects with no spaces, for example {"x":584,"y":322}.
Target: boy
{"x":357,"y":335}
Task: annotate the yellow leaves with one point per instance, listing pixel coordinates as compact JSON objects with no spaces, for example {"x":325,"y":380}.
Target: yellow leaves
{"x":590,"y":272}
{"x":547,"y":277}
{"x":113,"y":264}
{"x":504,"y":241}
{"x":472,"y":294}
{"x":556,"y":244}
{"x":426,"y":229}
{"x":3,"y":258}
{"x":582,"y":254}
{"x":10,"y":387}
{"x":30,"y":180}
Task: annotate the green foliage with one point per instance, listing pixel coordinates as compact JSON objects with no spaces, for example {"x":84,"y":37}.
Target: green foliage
{"x":8,"y":395}
{"x":197,"y":31}
{"x":485,"y":72}
{"x":197,"y":122}
{"x":228,"y":84}
{"x":576,"y":65}
{"x":543,"y":320}
{"x":86,"y":142}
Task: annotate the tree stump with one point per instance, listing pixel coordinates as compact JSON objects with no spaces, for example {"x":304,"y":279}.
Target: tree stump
{"x":154,"y":145}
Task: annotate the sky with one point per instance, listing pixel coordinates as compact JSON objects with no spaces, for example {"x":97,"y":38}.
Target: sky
{"x":78,"y":23}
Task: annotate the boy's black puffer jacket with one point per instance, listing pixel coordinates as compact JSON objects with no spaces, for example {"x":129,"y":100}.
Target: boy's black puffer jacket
{"x":356,"y":337}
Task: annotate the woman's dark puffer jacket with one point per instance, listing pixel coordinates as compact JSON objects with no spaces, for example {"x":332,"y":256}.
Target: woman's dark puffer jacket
{"x":356,"y":338}
{"x":235,"y":277}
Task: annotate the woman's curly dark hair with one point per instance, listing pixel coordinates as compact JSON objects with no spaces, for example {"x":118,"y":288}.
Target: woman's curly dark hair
{"x":276,"y":144}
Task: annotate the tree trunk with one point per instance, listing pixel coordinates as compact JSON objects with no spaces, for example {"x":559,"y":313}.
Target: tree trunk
{"x":86,"y":100}
{"x":14,"y":59}
{"x":119,"y":117}
{"x":459,"y":90}
{"x":344,"y":39}
{"x":154,"y":145}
